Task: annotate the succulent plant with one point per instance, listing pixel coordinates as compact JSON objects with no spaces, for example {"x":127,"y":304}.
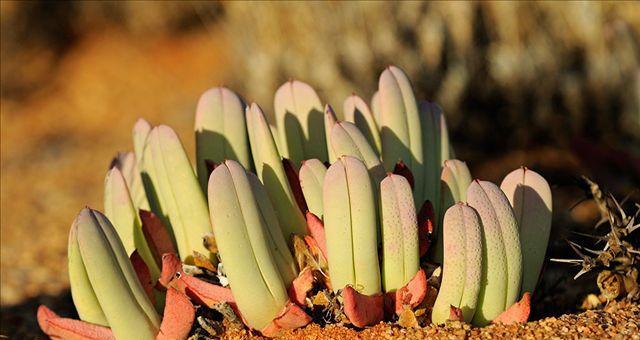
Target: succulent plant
{"x":268,"y":165}
{"x":252,"y":247}
{"x":501,"y":256}
{"x":356,"y":111}
{"x":279,"y":239}
{"x":173,"y":191}
{"x":399,"y":224}
{"x":121,"y":211}
{"x":530,"y":197}
{"x":400,"y":129}
{"x":347,"y":140}
{"x":221,"y":131}
{"x":462,"y":263}
{"x":298,"y":112}
{"x":311,"y":175}
{"x":351,"y":226}
{"x":104,"y":285}
{"x":454,"y":181}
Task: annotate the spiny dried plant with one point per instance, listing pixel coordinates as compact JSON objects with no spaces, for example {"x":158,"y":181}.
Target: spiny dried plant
{"x":617,"y":256}
{"x":309,"y":219}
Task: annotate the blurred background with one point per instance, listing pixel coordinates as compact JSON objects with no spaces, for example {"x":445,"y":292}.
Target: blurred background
{"x":554,"y":86}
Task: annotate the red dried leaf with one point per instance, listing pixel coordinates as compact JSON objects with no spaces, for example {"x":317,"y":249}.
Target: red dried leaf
{"x":205,"y":293}
{"x":404,"y":171}
{"x":294,"y":183}
{"x":156,"y":234}
{"x":171,"y":265}
{"x":301,"y":286}
{"x":518,"y":312}
{"x":412,"y":293}
{"x":69,"y":329}
{"x":291,"y":317}
{"x":362,"y":310}
{"x":455,"y":314}
{"x":143,"y":273}
{"x":316,"y":229}
{"x":178,"y":317}
{"x":426,"y":217}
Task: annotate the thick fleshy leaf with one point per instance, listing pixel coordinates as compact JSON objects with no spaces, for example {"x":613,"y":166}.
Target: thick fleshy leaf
{"x":400,"y":130}
{"x":256,"y":257}
{"x":436,"y":148}
{"x":69,"y":329}
{"x":518,"y":312}
{"x":157,"y":235}
{"x":174,"y":193}
{"x":84,"y":297}
{"x":221,"y":131}
{"x":298,"y":112}
{"x":291,"y":317}
{"x":347,"y":140}
{"x":316,"y":230}
{"x":462,"y":274}
{"x":502,"y":260}
{"x":294,"y":183}
{"x":121,"y":211}
{"x":350,"y":223}
{"x":140,"y":132}
{"x":112,"y":278}
{"x":399,"y":224}
{"x":127,"y":163}
{"x":530,"y":196}
{"x":312,"y":174}
{"x":178,"y":317}
{"x":268,"y":165}
{"x":454,"y":181}
{"x":375,"y":106}
{"x":330,"y":120}
{"x":357,"y":111}
{"x":362,"y":310}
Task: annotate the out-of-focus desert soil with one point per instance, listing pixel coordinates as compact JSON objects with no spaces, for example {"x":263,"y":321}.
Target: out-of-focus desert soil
{"x":56,"y":146}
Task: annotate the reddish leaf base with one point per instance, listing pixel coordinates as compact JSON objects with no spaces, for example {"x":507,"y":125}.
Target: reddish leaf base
{"x":412,"y":293}
{"x":362,"y":310}
{"x":426,"y":217}
{"x":301,"y":286}
{"x":292,"y":317}
{"x":69,"y":329}
{"x":178,"y":317}
{"x":518,"y":312}
{"x":156,"y":234}
{"x":455,"y":314}
{"x":143,"y":273}
{"x":316,"y":229}
{"x":404,"y":171}
{"x":171,"y":265}
{"x":203,"y":292}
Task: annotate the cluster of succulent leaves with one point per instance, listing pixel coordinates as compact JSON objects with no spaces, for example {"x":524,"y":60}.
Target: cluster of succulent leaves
{"x":304,"y":215}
